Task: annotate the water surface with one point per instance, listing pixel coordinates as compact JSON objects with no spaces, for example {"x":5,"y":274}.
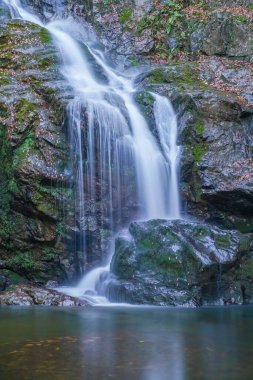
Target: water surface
{"x":126,"y":343}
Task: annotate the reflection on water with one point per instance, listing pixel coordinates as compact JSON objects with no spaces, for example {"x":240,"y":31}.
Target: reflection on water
{"x":126,"y":343}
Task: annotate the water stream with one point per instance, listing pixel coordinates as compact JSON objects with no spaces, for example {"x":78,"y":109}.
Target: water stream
{"x":117,"y":158}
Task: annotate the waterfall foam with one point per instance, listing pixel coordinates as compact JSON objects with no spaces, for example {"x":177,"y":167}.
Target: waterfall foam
{"x":120,"y":148}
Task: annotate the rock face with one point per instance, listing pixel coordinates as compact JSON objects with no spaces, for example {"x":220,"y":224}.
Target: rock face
{"x":34,"y":180}
{"x":49,"y":9}
{"x":181,"y":263}
{"x":215,"y":132}
{"x":132,"y":31}
{"x":225,"y":34}
{"x":117,"y":23}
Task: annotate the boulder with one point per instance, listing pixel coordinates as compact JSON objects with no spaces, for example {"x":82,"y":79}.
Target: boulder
{"x":178,"y":262}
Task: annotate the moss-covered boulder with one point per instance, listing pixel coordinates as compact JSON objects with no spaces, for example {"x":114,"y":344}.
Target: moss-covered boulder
{"x":175,"y":262}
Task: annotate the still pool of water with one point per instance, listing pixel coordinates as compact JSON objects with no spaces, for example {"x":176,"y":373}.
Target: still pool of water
{"x":126,"y":343}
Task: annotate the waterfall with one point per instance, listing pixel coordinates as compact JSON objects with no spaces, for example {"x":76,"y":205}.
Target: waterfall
{"x":166,"y":123}
{"x":115,"y":156}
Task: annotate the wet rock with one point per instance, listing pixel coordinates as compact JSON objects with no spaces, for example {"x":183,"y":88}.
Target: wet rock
{"x":30,"y":295}
{"x":34,"y":176}
{"x":51,"y":284}
{"x":46,"y":9}
{"x":117,"y":24}
{"x":215,"y":134}
{"x":176,"y":262}
{"x":9,"y":278}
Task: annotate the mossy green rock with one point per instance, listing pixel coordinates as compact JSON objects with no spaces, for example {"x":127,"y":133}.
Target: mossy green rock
{"x":170,"y":262}
{"x":33,"y":153}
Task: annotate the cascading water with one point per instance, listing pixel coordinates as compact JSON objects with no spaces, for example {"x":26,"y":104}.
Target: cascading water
{"x":116,"y":157}
{"x":163,"y":112}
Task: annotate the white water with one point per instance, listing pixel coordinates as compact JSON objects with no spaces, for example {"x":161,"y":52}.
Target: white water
{"x":167,"y":131}
{"x":120,"y":147}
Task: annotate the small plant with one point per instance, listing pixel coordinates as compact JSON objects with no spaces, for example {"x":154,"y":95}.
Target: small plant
{"x":125,"y":15}
{"x":24,"y":261}
{"x":174,"y":14}
{"x":162,"y":21}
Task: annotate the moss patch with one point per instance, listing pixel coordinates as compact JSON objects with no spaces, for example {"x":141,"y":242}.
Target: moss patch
{"x":222,"y":241}
{"x":22,"y":152}
{"x":199,"y":127}
{"x":125,"y":15}
{"x":24,"y":261}
{"x":24,"y":109}
{"x":45,"y":36}
{"x":199,"y":151}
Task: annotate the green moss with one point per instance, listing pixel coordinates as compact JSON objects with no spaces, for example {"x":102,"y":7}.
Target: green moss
{"x":45,"y":63}
{"x":145,"y":101}
{"x":240,"y":18}
{"x":134,"y":61}
{"x":3,"y":114}
{"x":200,"y":233}
{"x":47,"y":208}
{"x":148,"y":243}
{"x":250,"y":6}
{"x":199,"y":151}
{"x":4,"y":81}
{"x":125,"y":15}
{"x":45,"y":36}
{"x":244,"y":226}
{"x":157,"y":76}
{"x":222,"y":241}
{"x":199,"y":127}
{"x":50,"y":253}
{"x":244,"y":244}
{"x":61,"y":227}
{"x":13,"y":186}
{"x":13,"y":277}
{"x":164,"y":263}
{"x":5,"y":198}
{"x":5,"y":151}
{"x":171,"y":236}
{"x":247,"y":268}
{"x":4,"y":39}
{"x":162,"y":20}
{"x":188,"y":76}
{"x":179,"y":74}
{"x":24,"y":109}
{"x":23,"y":150}
{"x":24,"y":261}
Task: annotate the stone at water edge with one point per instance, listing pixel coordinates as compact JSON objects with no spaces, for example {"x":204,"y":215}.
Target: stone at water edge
{"x":29,"y":295}
{"x":177,"y":262}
